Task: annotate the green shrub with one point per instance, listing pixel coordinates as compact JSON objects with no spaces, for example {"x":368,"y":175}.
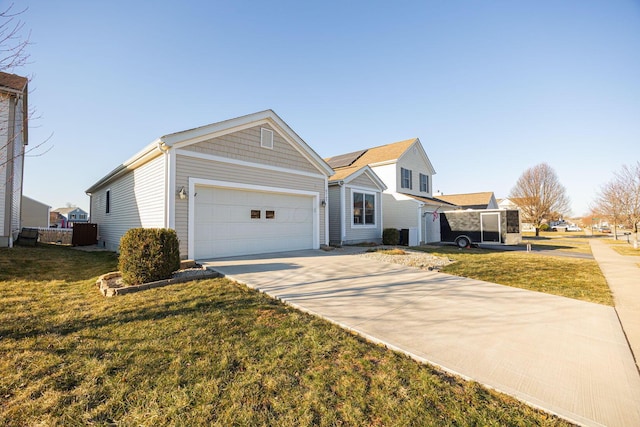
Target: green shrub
{"x":544,"y":227}
{"x":390,"y":236}
{"x":148,"y":254}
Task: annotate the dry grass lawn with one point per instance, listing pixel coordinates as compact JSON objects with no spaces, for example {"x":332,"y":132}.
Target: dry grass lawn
{"x":204,"y":353}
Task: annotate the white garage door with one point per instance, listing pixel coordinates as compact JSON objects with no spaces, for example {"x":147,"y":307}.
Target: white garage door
{"x":231,"y":222}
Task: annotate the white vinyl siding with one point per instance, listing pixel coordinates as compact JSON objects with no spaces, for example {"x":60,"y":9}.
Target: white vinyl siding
{"x":4,"y":170}
{"x":400,"y":212}
{"x":194,"y":167}
{"x":137,"y":200}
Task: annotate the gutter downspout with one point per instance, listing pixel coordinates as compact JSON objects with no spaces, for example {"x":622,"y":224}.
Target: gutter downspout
{"x":343,"y":213}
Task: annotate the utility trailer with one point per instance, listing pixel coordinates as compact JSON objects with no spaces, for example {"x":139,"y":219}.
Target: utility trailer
{"x":473,"y":226}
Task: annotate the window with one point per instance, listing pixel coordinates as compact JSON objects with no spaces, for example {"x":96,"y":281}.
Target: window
{"x":424,"y":183}
{"x":364,"y":209}
{"x":108,"y":202}
{"x":266,"y":138}
{"x":270,"y":214}
{"x":405,"y":178}
{"x":255,"y":213}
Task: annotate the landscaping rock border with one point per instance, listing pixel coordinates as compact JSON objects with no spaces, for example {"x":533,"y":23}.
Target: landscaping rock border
{"x":111,"y":284}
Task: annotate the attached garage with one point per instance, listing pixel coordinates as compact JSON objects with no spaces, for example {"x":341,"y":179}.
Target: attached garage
{"x":242,"y":186}
{"x":237,"y":221}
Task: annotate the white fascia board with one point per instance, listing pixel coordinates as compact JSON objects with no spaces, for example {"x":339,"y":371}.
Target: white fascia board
{"x":147,"y":153}
{"x":423,"y":154}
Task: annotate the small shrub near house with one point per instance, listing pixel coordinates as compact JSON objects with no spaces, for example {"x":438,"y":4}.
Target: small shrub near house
{"x":390,"y":236}
{"x":148,"y":254}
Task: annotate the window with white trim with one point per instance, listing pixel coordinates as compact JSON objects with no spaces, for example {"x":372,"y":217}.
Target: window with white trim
{"x":405,"y":178}
{"x":266,"y":138}
{"x":364,"y":208}
{"x":424,"y":183}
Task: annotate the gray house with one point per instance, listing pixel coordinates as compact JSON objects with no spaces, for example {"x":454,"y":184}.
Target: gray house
{"x":241,"y":186}
{"x":355,"y":205}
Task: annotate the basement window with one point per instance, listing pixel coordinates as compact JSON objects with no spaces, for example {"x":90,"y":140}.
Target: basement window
{"x":255,"y":213}
{"x":266,"y":138}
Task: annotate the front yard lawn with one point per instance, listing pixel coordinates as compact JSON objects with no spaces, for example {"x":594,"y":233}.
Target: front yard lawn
{"x":623,"y":247}
{"x":568,"y":277}
{"x":564,"y":241}
{"x":211,"y":352}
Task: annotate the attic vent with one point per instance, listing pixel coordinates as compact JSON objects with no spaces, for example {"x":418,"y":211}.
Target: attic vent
{"x":266,"y":138}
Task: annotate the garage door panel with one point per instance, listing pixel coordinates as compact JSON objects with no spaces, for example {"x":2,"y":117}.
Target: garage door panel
{"x":224,"y":227}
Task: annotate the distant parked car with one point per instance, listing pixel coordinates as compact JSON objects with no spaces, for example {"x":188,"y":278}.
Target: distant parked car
{"x":604,"y":230}
{"x":559,"y":227}
{"x":574,"y":228}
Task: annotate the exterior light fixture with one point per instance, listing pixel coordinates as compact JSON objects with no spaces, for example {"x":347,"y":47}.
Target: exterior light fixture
{"x":182,"y":193}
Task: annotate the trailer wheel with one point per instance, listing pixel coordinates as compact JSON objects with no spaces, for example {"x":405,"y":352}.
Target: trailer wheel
{"x":463,"y":242}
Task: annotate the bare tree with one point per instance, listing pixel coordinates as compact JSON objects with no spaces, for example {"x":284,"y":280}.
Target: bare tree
{"x":611,"y":203}
{"x":540,"y":195}
{"x":619,"y":199}
{"x":629,"y":180}
{"x":13,"y":47}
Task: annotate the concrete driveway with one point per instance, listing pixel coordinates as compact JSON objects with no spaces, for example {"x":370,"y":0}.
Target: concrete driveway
{"x":566,"y":356}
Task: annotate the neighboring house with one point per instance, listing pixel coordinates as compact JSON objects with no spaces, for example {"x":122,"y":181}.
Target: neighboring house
{"x":13,"y":139}
{"x":484,"y":200}
{"x":68,"y":216}
{"x":34,"y":213}
{"x":355,"y":205}
{"x":242,"y":186}
{"x":407,"y":172}
{"x":514,"y":203}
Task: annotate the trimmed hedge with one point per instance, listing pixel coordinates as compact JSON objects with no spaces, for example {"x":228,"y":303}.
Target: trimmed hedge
{"x":148,"y":254}
{"x":390,"y":236}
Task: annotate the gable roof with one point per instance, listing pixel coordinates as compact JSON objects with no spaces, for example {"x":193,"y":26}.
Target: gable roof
{"x":468,"y":199}
{"x":375,"y":155}
{"x":13,"y":82}
{"x":213,"y":130}
{"x":353,"y":172}
{"x":65,"y":211}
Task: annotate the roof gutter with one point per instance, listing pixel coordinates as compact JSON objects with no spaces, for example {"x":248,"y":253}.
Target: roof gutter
{"x":148,"y":153}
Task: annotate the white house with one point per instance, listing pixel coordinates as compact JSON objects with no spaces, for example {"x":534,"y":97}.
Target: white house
{"x":407,"y":173}
{"x":241,"y":186}
{"x":13,"y":139}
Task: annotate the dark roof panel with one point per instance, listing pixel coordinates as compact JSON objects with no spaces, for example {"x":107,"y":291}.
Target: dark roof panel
{"x":344,"y":160}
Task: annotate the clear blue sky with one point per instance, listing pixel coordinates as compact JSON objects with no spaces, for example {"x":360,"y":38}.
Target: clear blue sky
{"x":491,"y":88}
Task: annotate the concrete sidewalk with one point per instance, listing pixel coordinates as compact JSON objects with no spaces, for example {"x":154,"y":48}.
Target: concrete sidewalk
{"x":623,"y":276}
{"x":566,"y":356}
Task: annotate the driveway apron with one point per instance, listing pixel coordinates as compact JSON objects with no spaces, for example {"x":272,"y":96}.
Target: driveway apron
{"x":566,"y":356}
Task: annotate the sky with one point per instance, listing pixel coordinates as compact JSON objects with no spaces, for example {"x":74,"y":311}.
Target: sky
{"x":491,"y":88}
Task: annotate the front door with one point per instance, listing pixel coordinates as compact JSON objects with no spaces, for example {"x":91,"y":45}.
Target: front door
{"x":490,"y":227}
